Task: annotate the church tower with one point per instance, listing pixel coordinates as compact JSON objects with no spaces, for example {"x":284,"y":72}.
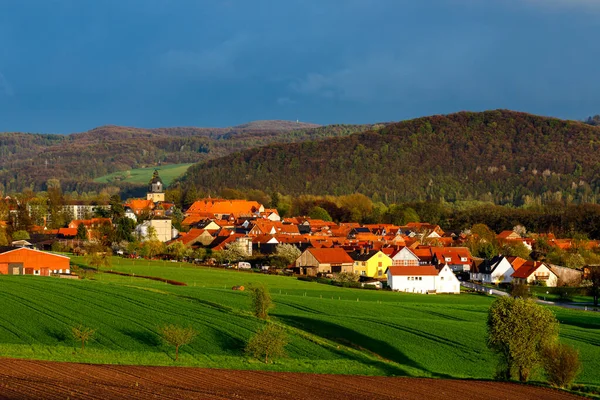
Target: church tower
{"x":156,"y":190}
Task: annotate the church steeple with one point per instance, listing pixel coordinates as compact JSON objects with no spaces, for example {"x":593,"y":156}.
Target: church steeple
{"x":156,"y":188}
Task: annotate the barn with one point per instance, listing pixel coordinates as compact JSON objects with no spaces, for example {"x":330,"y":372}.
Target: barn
{"x":24,"y":261}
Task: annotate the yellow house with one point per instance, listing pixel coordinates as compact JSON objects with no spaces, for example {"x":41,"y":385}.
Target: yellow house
{"x":371,"y":263}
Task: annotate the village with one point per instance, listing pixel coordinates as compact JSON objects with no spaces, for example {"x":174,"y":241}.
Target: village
{"x":417,"y":257}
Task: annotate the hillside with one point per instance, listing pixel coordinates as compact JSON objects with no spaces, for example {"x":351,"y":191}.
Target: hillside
{"x":29,"y":160}
{"x":502,"y":156}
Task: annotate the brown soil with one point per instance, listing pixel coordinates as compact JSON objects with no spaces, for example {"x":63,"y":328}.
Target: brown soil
{"x":24,"y":379}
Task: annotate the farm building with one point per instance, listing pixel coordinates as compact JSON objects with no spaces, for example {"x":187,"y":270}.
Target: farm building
{"x":325,"y":260}
{"x":24,"y":261}
{"x":422,"y":279}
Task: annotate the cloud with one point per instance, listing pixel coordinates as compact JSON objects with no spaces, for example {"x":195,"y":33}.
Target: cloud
{"x":285,"y":101}
{"x":571,"y":4}
{"x":5,"y":87}
{"x":214,"y":62}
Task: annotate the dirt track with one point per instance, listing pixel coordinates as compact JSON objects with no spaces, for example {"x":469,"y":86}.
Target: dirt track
{"x":22,"y":379}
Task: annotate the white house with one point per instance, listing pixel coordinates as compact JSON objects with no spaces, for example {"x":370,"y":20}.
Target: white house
{"x":404,"y":257}
{"x":496,"y":270}
{"x":446,"y":281}
{"x":533,"y":272}
{"x":422,"y":279}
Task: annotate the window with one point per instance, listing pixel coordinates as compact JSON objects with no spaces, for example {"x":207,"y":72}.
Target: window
{"x":420,"y":278}
{"x":379,"y":273}
{"x":363,"y":273}
{"x":448,"y":259}
{"x":380,"y":255}
{"x":441,"y":278}
{"x":380,"y":264}
{"x":36,"y":272}
{"x":463,"y":259}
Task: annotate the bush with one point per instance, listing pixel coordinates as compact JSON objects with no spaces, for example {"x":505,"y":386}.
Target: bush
{"x":520,"y":290}
{"x":82,"y":334}
{"x":561,"y":364}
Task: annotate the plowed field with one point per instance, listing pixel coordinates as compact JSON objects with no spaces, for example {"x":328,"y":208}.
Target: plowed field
{"x":23,"y":379}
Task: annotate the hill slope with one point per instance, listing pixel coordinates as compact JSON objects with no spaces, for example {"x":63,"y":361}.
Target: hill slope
{"x":31,"y":159}
{"x":500,"y":155}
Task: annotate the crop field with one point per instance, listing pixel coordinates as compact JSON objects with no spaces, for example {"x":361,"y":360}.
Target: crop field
{"x":143,"y":175}
{"x":331,"y":329}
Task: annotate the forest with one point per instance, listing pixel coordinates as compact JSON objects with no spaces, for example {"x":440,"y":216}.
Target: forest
{"x":28,"y":161}
{"x":501,"y":156}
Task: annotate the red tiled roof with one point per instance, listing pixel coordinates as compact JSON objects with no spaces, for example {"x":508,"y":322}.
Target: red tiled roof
{"x":331,"y":255}
{"x":527,"y":269}
{"x":424,"y":270}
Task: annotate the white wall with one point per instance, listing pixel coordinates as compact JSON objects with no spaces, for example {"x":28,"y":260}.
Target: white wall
{"x":446,"y":282}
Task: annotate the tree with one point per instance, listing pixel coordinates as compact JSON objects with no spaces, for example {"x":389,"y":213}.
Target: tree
{"x":98,"y":256}
{"x":561,"y":364}
{"x":288,"y":253}
{"x":116,"y":207}
{"x":319,"y":213}
{"x":20,"y":235}
{"x":261,"y":301}
{"x":234,"y":251}
{"x":82,"y":232}
{"x":177,"y":336}
{"x":177,"y":250}
{"x":594,"y":277}
{"x":82,"y":334}
{"x":519,"y":330}
{"x":270,"y":341}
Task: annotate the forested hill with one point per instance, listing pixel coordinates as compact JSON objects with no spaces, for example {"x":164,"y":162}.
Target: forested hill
{"x":502,"y":156}
{"x":29,"y":160}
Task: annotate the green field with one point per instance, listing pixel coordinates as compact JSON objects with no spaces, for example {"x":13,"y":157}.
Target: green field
{"x":331,"y":329}
{"x":143,"y":175}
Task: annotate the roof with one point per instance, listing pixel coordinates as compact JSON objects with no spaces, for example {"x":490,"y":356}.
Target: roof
{"x":516,"y":262}
{"x":527,"y":269}
{"x":508,"y":235}
{"x":331,"y":255}
{"x":425,"y":270}
{"x":5,"y":250}
{"x":363,"y":256}
{"x":222,"y":206}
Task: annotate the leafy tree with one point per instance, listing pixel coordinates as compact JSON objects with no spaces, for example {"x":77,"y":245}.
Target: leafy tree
{"x":117,"y":210}
{"x":261,"y":301}
{"x":561,"y":364}
{"x":82,"y":334}
{"x":98,"y":256}
{"x":20,"y":235}
{"x":288,"y":253}
{"x":269,"y":342}
{"x":177,"y":250}
{"x":594,"y":278}
{"x":319,"y":213}
{"x":520,"y":290}
{"x":519,"y":330}
{"x":82,"y":232}
{"x":177,"y":336}
{"x":515,"y":249}
{"x":124,"y":228}
{"x":234,"y":251}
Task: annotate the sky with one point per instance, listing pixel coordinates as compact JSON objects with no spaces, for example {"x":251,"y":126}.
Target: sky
{"x":72,"y":65}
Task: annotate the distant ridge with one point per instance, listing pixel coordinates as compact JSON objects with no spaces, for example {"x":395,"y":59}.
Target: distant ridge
{"x":502,"y":156}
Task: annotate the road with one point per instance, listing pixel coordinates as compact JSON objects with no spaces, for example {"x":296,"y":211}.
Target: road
{"x":500,"y":293}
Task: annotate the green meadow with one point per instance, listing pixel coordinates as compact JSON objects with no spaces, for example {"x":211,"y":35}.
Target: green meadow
{"x":330,"y":329}
{"x":143,"y":175}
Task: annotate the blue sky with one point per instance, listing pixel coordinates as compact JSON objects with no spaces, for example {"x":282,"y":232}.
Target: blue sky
{"x":71,"y":65}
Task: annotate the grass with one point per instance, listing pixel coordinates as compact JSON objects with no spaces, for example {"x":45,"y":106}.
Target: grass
{"x":331,"y":329}
{"x":143,"y":175}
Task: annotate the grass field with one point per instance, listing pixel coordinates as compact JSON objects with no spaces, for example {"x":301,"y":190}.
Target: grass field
{"x":143,"y":175}
{"x":331,"y":329}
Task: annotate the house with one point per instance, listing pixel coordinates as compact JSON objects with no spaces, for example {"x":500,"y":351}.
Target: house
{"x":459,"y":259}
{"x":422,"y":279}
{"x":535,"y":272}
{"x":404,"y":256}
{"x":162,"y":228}
{"x":371,"y":263}
{"x":496,"y":270}
{"x":315,"y":261}
{"x":24,"y":261}
{"x":81,"y":210}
